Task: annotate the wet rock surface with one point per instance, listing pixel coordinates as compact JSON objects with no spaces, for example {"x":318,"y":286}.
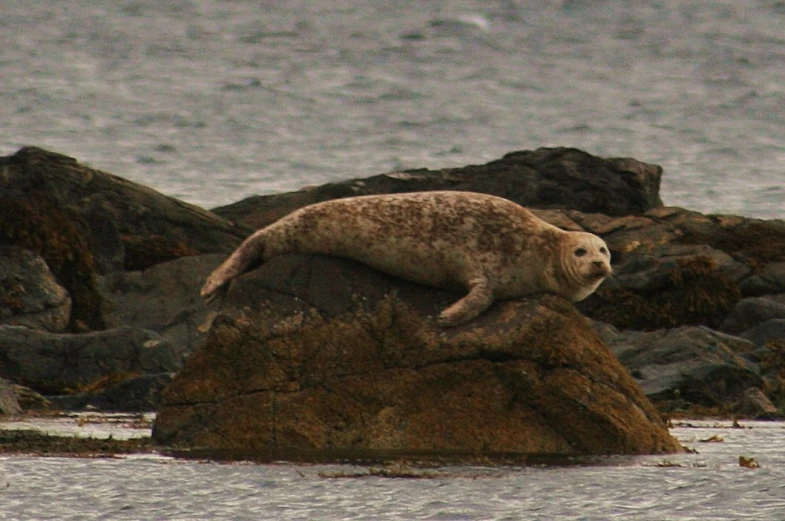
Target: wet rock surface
{"x":58,"y":363}
{"x":9,"y":405}
{"x":43,"y":444}
{"x":371,"y":372}
{"x":687,"y":365}
{"x":29,"y":294}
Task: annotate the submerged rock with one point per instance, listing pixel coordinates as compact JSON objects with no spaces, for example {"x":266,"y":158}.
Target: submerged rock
{"x":315,"y":355}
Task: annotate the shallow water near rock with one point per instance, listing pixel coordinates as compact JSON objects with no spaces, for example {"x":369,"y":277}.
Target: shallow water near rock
{"x":709,"y":485}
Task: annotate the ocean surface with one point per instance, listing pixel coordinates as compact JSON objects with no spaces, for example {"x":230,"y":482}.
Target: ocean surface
{"x":212,"y":101}
{"x":215,"y":100}
{"x":708,"y":485}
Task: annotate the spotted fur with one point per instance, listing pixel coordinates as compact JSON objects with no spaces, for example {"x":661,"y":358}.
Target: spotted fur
{"x":488,"y":246}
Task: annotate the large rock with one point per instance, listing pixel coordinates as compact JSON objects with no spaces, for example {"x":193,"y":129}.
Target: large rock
{"x":164,"y":299}
{"x":29,"y":294}
{"x":674,"y":267}
{"x":131,"y":259}
{"x":64,"y":363}
{"x":124,"y":394}
{"x":313,"y":355}
{"x":753,"y":311}
{"x":687,"y":366}
{"x":84,"y":222}
{"x":564,"y":178}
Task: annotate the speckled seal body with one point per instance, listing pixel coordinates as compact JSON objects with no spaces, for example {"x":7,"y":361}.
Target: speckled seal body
{"x":486,"y":245}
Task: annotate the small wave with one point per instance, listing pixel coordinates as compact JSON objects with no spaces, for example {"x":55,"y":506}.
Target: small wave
{"x":461,"y":22}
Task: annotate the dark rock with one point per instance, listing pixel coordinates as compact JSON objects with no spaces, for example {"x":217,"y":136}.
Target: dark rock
{"x":687,"y":365}
{"x":62,"y":363}
{"x":671,"y":286}
{"x":753,"y":241}
{"x":133,"y":260}
{"x":768,"y":279}
{"x":9,"y":406}
{"x":29,"y":294}
{"x":771,"y":359}
{"x":84,"y":222}
{"x":133,"y":394}
{"x":318,"y":355}
{"x":31,"y":400}
{"x":753,"y":311}
{"x":754,"y":404}
{"x":43,"y":444}
{"x":543,"y":178}
{"x":35,"y":222}
{"x":164,"y":299}
{"x":674,"y":267}
{"x":761,"y":334}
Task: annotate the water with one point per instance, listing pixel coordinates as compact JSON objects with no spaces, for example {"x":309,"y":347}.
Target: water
{"x":214,"y":100}
{"x":706,"y":486}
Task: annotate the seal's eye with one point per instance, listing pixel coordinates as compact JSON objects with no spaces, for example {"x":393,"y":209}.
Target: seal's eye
{"x":580,"y":252}
{"x":603,"y":251}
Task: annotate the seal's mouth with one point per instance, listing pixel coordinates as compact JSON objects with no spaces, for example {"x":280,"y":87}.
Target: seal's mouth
{"x":600,"y":272}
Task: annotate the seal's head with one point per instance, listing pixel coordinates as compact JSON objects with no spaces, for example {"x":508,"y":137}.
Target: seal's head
{"x":586,"y":262}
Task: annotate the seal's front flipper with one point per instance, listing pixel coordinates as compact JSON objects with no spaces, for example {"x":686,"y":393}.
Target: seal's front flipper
{"x":475,"y":302}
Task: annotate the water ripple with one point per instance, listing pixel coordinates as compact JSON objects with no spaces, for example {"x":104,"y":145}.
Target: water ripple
{"x":214,"y":101}
{"x":709,"y":485}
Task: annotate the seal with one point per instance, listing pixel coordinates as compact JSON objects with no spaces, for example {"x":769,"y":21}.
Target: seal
{"x":485,"y":245}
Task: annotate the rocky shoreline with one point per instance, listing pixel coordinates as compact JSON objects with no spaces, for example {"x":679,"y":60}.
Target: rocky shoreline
{"x":99,"y":310}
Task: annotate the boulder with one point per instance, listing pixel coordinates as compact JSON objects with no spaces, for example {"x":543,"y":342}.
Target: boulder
{"x":84,"y":222}
{"x":564,"y":178}
{"x":753,"y":311}
{"x":31,"y":400}
{"x":83,"y":251}
{"x":687,"y":366}
{"x":764,"y":333}
{"x":313,"y":356}
{"x":29,"y":294}
{"x":674,"y":267}
{"x":768,"y":279}
{"x":754,"y":404}
{"x":164,"y":298}
{"x":671,"y":286}
{"x":9,"y":406}
{"x":123,"y":394}
{"x":57,"y":363}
